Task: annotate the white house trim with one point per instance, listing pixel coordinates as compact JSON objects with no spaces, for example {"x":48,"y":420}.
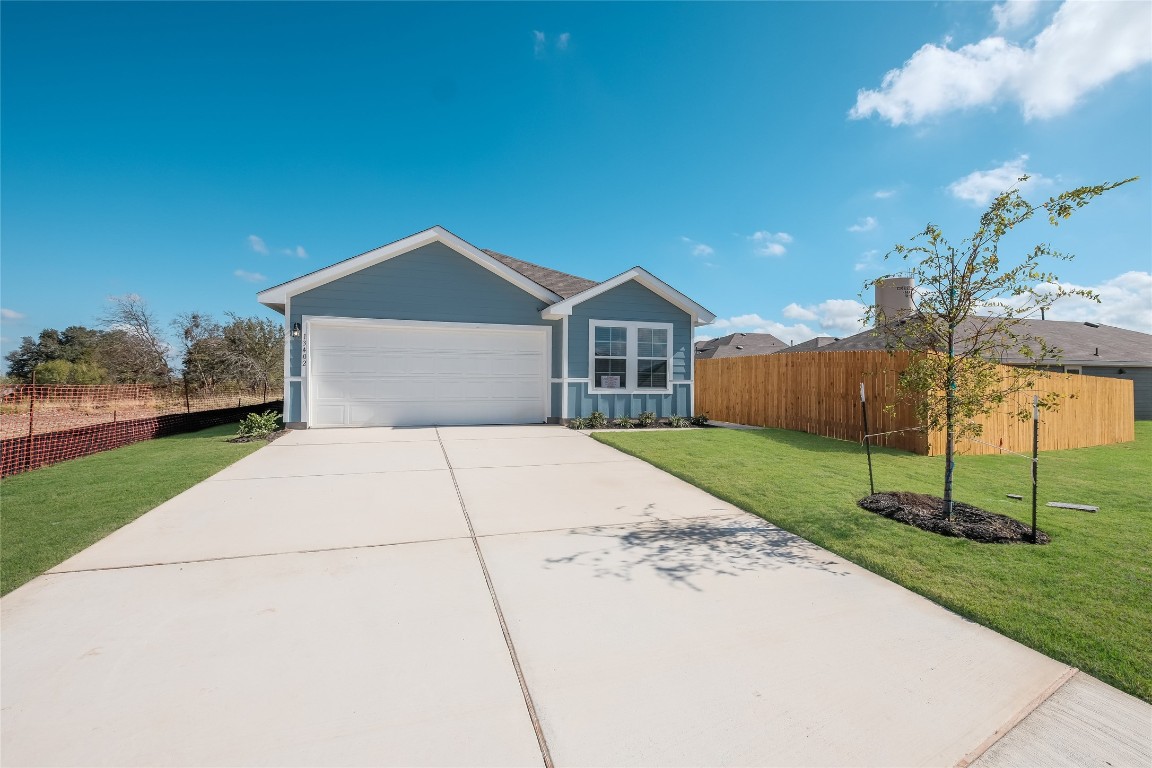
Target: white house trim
{"x":700,"y":315}
{"x":287,"y":360}
{"x":278,"y":296}
{"x":564,"y":367}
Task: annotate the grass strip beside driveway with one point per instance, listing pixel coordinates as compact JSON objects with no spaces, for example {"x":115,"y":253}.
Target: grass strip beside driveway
{"x":49,"y":514}
{"x":1083,"y":599}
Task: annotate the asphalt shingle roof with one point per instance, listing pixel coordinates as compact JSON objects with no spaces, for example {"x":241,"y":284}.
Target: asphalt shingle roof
{"x":738,"y":344}
{"x":560,"y":283}
{"x":1079,"y":343}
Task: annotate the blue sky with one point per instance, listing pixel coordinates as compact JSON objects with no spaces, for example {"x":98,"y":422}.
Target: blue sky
{"x":760,"y":157}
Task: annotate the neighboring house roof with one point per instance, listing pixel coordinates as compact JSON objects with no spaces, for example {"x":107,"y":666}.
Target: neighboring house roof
{"x":700,"y":315}
{"x":560,"y":283}
{"x":812,"y":344}
{"x":739,"y":344}
{"x":1079,"y":343}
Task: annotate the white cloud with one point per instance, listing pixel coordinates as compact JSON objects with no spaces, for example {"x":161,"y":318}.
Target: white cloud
{"x":298,"y":252}
{"x":1012,"y":14}
{"x":562,"y":41}
{"x":980,"y":187}
{"x":866,"y":224}
{"x":257,"y":244}
{"x":698,"y":249}
{"x":868,"y":260}
{"x":1086,"y":45}
{"x":11,"y":314}
{"x":251,"y":277}
{"x":796,"y":312}
{"x":770,"y":243}
{"x":883,"y":194}
{"x":834,"y":317}
{"x":538,"y":42}
{"x":1125,"y":301}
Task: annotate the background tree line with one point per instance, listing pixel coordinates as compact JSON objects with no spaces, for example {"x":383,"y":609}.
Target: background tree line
{"x":131,"y":347}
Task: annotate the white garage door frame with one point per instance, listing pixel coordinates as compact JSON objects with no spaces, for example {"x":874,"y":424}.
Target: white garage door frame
{"x":312,"y":321}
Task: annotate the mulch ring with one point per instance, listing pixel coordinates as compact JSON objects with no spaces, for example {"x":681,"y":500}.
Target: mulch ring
{"x":968,"y":522}
{"x":252,"y":438}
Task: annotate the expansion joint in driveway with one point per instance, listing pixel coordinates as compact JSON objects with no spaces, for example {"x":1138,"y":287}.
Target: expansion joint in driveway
{"x":543,"y":743}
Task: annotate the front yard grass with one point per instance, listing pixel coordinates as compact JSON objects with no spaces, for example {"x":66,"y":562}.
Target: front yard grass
{"x":1085,"y":599}
{"x":49,"y":514}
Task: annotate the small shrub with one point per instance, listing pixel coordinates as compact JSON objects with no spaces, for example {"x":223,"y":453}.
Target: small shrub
{"x":699,"y":420}
{"x":597,"y":420}
{"x":578,"y":423}
{"x":622,"y":423}
{"x":259,"y":424}
{"x":677,"y":422}
{"x":646,"y":419}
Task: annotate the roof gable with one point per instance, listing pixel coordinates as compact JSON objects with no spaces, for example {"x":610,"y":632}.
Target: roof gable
{"x":277,"y":296}
{"x":700,"y":315}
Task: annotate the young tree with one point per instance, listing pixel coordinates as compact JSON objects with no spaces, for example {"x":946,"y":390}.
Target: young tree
{"x":967,"y":305}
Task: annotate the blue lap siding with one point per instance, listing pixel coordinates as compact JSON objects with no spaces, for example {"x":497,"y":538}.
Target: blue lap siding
{"x":629,"y":302}
{"x":431,"y":283}
{"x":435,"y":283}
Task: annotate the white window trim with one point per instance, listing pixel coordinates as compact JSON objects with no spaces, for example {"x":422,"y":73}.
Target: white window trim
{"x":632,"y":358}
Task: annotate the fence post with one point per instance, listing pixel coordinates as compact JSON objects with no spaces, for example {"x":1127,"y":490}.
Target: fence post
{"x":867,"y":442}
{"x":265,"y":392}
{"x":187,"y":407}
{"x":31,"y":421}
{"x":1035,"y":457}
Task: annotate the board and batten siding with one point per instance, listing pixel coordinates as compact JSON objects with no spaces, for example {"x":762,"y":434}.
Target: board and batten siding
{"x":431,"y":283}
{"x":629,"y":302}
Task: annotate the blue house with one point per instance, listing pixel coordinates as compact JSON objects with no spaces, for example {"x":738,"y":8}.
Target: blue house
{"x":432,"y":330}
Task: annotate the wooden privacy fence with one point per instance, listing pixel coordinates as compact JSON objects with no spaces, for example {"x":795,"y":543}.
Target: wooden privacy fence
{"x":819,"y":392}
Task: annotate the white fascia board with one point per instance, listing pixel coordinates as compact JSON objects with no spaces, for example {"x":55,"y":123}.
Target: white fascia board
{"x":278,"y":295}
{"x":700,"y":315}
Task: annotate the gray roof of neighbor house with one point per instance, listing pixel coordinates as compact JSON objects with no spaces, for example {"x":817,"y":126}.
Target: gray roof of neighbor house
{"x":807,"y":346}
{"x":1079,"y":343}
{"x":738,"y":344}
{"x":560,"y":283}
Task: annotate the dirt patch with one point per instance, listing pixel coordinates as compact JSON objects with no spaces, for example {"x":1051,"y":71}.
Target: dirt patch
{"x":253,"y":438}
{"x":968,"y":522}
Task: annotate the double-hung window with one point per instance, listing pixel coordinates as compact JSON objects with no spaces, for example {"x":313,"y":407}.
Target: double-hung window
{"x":631,"y":357}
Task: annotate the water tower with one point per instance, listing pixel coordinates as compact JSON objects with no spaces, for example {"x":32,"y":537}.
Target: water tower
{"x":893,"y":298}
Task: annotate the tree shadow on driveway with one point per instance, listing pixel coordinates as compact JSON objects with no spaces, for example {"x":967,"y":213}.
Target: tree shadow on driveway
{"x":678,"y":550}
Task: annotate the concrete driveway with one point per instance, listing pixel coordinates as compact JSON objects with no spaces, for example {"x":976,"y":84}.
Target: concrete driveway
{"x":485,"y":596}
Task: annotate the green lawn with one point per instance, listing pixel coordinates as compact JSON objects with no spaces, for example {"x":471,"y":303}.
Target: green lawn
{"x":49,"y":514}
{"x":1085,"y":599}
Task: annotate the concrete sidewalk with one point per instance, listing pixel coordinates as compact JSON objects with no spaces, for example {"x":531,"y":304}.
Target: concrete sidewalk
{"x":499,"y":596}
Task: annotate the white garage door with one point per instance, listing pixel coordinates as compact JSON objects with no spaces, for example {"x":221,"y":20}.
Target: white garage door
{"x":378,"y":374}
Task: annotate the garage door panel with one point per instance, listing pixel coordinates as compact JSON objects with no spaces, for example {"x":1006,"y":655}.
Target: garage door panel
{"x":329,"y":414}
{"x":404,"y":375}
